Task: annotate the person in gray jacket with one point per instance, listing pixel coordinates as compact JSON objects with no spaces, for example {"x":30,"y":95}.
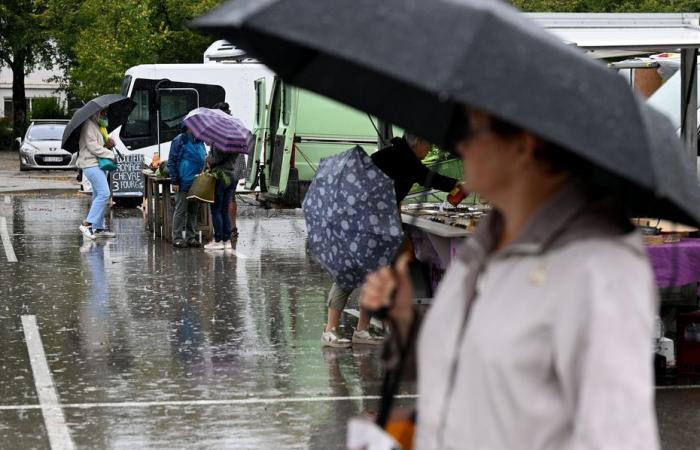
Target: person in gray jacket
{"x":540,"y":334}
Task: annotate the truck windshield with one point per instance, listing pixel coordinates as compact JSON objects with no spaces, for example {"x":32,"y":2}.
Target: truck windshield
{"x":125,"y":85}
{"x":139,"y":122}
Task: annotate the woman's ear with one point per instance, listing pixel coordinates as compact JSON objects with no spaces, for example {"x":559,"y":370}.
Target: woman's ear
{"x":527,"y":145}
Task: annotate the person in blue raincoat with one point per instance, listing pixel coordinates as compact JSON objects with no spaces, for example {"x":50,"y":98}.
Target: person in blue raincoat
{"x":186,"y":161}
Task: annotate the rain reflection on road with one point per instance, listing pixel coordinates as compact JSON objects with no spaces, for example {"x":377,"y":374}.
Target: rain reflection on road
{"x":133,"y":321}
{"x":151,"y":347}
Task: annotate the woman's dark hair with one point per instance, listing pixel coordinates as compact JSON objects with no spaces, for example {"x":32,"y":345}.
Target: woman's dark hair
{"x":222,"y":106}
{"x":555,"y":157}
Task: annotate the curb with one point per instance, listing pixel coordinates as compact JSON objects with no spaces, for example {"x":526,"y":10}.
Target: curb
{"x":21,"y":191}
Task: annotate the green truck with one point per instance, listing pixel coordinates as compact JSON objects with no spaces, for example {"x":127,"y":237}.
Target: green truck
{"x":294,"y":129}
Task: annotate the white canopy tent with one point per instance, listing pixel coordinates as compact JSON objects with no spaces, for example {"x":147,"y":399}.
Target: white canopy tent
{"x":618,"y":34}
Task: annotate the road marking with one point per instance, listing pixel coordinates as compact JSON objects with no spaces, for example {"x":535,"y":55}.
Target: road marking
{"x":240,"y":401}
{"x":677,"y":387}
{"x":8,"y":199}
{"x":6,"y":241}
{"x":239,"y":254}
{"x":55,"y":421}
{"x":235,"y":401}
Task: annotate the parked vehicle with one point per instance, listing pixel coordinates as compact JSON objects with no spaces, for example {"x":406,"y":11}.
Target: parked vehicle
{"x":165,"y":93}
{"x":295,"y":129}
{"x":41,"y":147}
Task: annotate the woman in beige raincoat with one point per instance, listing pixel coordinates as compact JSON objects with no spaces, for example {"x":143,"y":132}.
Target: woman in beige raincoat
{"x":540,"y":335}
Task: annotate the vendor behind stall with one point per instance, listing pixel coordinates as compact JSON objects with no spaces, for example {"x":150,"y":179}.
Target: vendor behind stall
{"x":401,"y":161}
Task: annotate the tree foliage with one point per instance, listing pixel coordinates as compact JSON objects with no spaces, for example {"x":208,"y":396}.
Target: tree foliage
{"x":608,"y":5}
{"x":23,"y":45}
{"x":99,"y":41}
{"x":47,"y":108}
{"x":95,"y":42}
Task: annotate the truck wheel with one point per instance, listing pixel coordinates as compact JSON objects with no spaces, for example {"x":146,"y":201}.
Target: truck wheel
{"x":292,"y":194}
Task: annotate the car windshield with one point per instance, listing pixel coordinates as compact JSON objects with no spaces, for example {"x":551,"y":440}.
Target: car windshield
{"x":46,"y":132}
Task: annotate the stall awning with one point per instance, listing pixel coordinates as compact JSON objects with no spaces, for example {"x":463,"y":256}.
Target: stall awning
{"x":647,"y":32}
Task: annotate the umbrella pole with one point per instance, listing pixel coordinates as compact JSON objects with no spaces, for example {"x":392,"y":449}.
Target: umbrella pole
{"x":689,"y":103}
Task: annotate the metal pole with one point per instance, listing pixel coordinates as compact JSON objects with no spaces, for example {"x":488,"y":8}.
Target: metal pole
{"x":386,"y":133}
{"x":157,"y":102}
{"x":689,"y":103}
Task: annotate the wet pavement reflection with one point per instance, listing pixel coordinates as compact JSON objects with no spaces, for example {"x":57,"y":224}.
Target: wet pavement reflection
{"x":132,"y":321}
{"x":152,"y":347}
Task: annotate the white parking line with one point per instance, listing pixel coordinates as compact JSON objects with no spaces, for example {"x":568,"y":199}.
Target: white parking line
{"x":55,"y":421}
{"x":239,"y":255}
{"x":6,"y":242}
{"x":677,"y":387}
{"x":239,"y":401}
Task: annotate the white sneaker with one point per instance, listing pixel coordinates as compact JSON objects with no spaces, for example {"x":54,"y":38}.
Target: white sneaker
{"x":228,"y":245}
{"x":330,"y":339}
{"x":104,"y":233}
{"x":364,"y":337}
{"x":87,"y":232}
{"x":213,"y":245}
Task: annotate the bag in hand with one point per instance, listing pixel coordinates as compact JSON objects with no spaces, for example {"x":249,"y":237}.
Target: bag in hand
{"x":203,"y":188}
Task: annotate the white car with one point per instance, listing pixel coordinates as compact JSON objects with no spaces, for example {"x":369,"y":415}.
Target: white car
{"x":41,"y":147}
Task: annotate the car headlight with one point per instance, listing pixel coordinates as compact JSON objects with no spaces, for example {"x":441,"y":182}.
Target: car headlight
{"x":28,"y":148}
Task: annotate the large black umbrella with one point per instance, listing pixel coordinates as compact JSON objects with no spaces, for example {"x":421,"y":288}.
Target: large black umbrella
{"x":415,"y":62}
{"x":118,"y":110}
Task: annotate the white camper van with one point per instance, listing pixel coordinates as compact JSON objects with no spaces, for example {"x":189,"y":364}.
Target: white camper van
{"x":165,"y":93}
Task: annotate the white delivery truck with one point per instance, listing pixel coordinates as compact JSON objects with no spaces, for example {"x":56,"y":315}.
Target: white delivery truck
{"x":165,"y":93}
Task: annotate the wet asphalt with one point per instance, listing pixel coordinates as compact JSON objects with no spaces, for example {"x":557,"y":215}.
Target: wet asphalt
{"x":154,"y":347}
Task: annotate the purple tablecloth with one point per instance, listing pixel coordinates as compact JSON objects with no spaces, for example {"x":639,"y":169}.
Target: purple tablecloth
{"x":684,"y":255}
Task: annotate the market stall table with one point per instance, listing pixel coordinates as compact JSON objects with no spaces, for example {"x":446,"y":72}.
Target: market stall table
{"x":436,"y":244}
{"x":676,"y":264}
{"x":160,"y":207}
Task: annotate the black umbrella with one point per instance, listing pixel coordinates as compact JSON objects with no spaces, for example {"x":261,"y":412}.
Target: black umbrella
{"x":118,"y":110}
{"x":415,"y":62}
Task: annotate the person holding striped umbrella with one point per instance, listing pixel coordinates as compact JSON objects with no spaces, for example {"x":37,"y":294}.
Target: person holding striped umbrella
{"x":228,"y":138}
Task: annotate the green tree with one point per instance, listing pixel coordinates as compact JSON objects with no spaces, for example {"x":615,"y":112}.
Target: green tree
{"x":98,"y":42}
{"x":23,"y":45}
{"x":47,"y":108}
{"x":608,"y":5}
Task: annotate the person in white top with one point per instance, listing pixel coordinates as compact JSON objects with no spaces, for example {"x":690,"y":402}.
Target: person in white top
{"x":540,"y":334}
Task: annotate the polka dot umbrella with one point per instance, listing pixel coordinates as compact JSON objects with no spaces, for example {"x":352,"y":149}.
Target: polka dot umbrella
{"x":353,"y":223}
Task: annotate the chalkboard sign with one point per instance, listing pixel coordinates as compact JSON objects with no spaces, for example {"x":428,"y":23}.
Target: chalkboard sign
{"x":128,"y":179}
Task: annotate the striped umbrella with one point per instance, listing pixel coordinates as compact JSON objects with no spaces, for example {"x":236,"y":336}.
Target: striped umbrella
{"x":218,"y":129}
